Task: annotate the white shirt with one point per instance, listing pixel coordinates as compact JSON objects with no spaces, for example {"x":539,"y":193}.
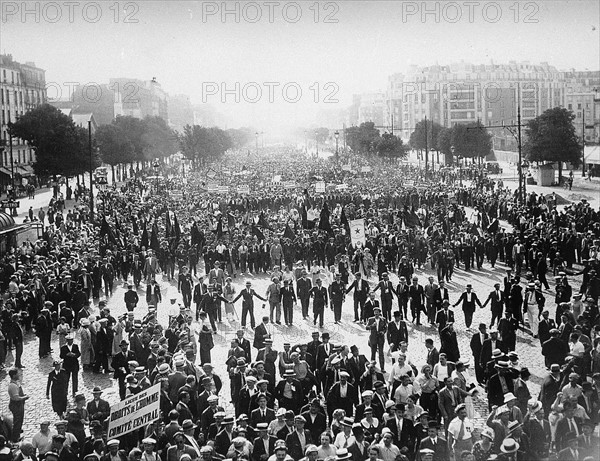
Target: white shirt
{"x":454,"y":428}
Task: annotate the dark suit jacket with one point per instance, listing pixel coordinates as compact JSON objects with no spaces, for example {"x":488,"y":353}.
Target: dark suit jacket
{"x":477,"y":346}
{"x":256,"y":417}
{"x":245,"y":345}
{"x":486,"y":350}
{"x":98,"y":411}
{"x":562,"y":429}
{"x":70,"y":363}
{"x":407,"y":436}
{"x":296,"y":394}
{"x":440,"y":448}
{"x":442,"y":318}
{"x":439,"y":296}
{"x":322,"y":355}
{"x":495,"y":391}
{"x":356,"y":453}
{"x":303,"y":288}
{"x":377,"y":334}
{"x":259,"y":448}
{"x":260,"y":333}
{"x":223,"y":442}
{"x":293,"y":444}
{"x":334,"y":400}
{"x":433,"y":357}
{"x":316,"y":428}
{"x":395,"y":335}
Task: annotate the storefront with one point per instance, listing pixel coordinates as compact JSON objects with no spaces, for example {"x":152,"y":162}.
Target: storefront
{"x":10,"y":233}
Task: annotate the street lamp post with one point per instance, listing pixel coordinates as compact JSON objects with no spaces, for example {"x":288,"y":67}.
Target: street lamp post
{"x":91,"y":170}
{"x":256,"y":135}
{"x":337,"y":137}
{"x":156,"y":166}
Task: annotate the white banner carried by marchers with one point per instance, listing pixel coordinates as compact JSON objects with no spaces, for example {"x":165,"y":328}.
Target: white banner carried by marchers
{"x":134,"y":412}
{"x":357,"y":231}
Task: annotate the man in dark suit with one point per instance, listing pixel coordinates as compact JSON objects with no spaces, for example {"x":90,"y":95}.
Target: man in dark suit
{"x":289,"y":392}
{"x":477,"y":341}
{"x":546,"y":324}
{"x":448,"y":399}
{"x":397,"y":332}
{"x":403,"y":430}
{"x":496,"y":300}
{"x":324,"y":350}
{"x":501,"y":383}
{"x":436,"y":443}
{"x":337,"y":295}
{"x":316,"y":422}
{"x":489,"y":345}
{"x":387,"y":295}
{"x":297,"y":441}
{"x":70,"y":354}
{"x":589,"y":443}
{"x":377,"y":326}
{"x":555,"y":349}
{"x":312,"y":348}
{"x":342,"y":395}
{"x":433,"y":355}
{"x":225,"y":436}
{"x":468,"y":300}
{"x":244,"y":344}
{"x":262,"y":414}
{"x":444,"y":315}
{"x":264,"y":444}
{"x":440,"y":295}
{"x":303,"y":287}
{"x":248,"y":294}
{"x":568,"y":424}
{"x":153,"y":295}
{"x":120,"y":363}
{"x":261,"y":333}
{"x":98,"y":408}
{"x":131,"y":298}
{"x":320,"y":300}
{"x":416,"y":294}
{"x":361,"y":290}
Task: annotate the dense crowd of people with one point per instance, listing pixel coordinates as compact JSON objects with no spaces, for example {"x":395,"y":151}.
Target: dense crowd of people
{"x":313,"y":399}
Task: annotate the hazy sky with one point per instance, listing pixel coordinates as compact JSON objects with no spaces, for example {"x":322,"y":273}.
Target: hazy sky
{"x":327,"y":50}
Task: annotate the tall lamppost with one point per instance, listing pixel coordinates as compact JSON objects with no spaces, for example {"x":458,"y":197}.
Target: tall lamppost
{"x":91,"y":170}
{"x":256,"y":135}
{"x":156,"y":166}
{"x":337,"y":137}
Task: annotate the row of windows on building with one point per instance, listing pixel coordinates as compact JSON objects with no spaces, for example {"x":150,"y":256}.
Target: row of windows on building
{"x":20,"y":156}
{"x":26,"y":96}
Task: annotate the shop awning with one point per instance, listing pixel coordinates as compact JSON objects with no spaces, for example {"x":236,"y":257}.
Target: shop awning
{"x":592,"y":155}
{"x":25,"y":170}
{"x":5,"y":171}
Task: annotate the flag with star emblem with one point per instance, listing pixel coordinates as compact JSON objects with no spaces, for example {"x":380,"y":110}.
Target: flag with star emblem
{"x":357,"y":231}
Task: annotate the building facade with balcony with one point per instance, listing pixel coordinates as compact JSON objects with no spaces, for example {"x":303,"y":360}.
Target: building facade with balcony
{"x":22,"y":88}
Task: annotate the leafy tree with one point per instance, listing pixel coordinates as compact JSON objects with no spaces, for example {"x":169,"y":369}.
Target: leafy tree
{"x":391,"y":146}
{"x":159,"y":139}
{"x":362,"y":138}
{"x":134,"y":129}
{"x":200,"y":143}
{"x":471,"y":140}
{"x":425,"y":135}
{"x":444,"y":143}
{"x":551,"y":137}
{"x":61,"y":147}
{"x":114,"y":146}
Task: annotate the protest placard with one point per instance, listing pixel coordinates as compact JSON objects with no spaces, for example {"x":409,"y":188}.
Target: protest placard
{"x":134,"y":412}
{"x":320,"y":187}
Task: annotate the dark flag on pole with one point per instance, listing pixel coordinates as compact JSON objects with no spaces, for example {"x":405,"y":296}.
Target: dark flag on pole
{"x":220,"y":228}
{"x":134,"y":223}
{"x":289,"y":233}
{"x":324,"y":223}
{"x":106,"y":231}
{"x":145,"y":239}
{"x":493,"y":228}
{"x":176,"y":228}
{"x":256,"y":231}
{"x":154,"y":243}
{"x":344,"y":220}
{"x":262,"y":221}
{"x":485,"y":220}
{"x":411,"y":219}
